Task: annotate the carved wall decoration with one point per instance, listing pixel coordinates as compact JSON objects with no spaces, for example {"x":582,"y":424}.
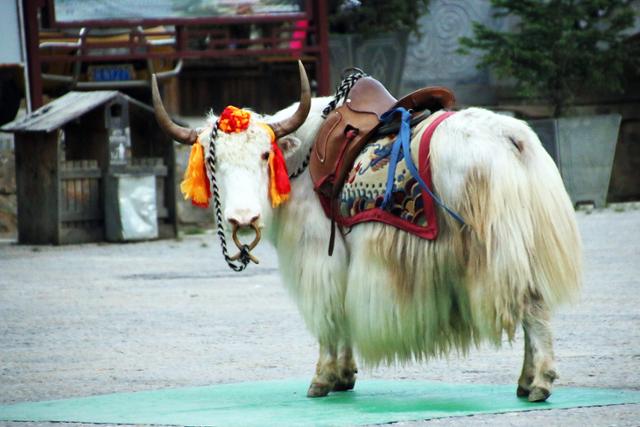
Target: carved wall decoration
{"x":433,"y":59}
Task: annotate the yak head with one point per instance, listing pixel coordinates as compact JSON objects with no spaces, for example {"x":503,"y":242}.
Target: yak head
{"x":246,"y":160}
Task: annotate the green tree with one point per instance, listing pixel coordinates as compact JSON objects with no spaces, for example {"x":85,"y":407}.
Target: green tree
{"x":559,"y":48}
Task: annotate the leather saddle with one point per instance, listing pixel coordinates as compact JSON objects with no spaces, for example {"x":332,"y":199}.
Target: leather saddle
{"x":348,"y":128}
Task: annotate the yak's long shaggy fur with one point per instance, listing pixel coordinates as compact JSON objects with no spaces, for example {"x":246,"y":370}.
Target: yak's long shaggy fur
{"x":398,"y":297}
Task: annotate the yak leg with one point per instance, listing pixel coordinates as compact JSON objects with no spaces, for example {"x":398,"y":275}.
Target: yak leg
{"x":326,"y":375}
{"x":335,"y":370}
{"x":538,"y":370}
{"x":347,"y":368}
{"x":526,"y":377}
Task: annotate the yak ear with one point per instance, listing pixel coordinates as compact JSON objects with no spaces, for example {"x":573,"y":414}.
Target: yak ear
{"x":289,"y":145}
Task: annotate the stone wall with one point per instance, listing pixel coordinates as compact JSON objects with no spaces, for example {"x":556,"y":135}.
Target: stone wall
{"x":8,"y":202}
{"x":432,"y":59}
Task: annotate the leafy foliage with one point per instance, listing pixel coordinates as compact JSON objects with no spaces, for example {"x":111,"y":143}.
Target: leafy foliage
{"x":559,"y":48}
{"x":371,"y":17}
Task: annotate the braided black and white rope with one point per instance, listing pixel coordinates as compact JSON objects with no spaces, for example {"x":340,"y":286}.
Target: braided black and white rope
{"x":217,"y":205}
{"x":350,"y":77}
{"x":302,"y":167}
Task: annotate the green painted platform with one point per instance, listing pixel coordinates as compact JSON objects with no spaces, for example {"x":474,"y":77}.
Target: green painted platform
{"x":277,"y":403}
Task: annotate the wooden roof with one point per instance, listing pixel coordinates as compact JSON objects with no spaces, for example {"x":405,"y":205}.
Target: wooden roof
{"x":65,"y":109}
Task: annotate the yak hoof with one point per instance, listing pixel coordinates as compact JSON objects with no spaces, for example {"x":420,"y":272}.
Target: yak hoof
{"x":522,"y":392}
{"x":539,"y":394}
{"x":344,"y":386}
{"x":318,"y":390}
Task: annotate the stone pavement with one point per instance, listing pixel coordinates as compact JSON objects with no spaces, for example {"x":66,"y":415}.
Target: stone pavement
{"x":100,"y":318}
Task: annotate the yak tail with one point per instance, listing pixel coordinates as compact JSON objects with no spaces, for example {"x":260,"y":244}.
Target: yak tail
{"x":521,"y":240}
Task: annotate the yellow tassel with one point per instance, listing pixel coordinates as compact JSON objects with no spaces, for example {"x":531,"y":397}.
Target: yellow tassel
{"x":277,"y":198}
{"x":195,"y":185}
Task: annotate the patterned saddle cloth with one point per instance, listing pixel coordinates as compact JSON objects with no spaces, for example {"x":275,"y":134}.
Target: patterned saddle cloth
{"x":410,"y":207}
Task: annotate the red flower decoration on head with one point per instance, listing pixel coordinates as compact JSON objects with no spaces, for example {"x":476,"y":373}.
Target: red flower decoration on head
{"x":234,"y":120}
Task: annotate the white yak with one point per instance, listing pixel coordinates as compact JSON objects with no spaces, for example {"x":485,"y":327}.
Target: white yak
{"x":392,"y":296}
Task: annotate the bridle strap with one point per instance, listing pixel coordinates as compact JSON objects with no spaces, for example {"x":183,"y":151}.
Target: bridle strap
{"x":245,"y":256}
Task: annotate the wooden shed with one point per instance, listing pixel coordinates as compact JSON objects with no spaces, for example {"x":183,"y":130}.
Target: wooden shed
{"x":71,"y":157}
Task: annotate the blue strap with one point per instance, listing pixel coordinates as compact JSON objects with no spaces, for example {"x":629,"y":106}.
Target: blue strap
{"x":402,"y":148}
{"x":396,"y":150}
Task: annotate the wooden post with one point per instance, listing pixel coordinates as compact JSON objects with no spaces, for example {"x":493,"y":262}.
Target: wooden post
{"x":323,"y":41}
{"x":37,"y":185}
{"x":33,"y":46}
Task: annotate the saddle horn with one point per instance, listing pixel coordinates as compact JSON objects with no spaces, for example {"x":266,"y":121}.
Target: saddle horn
{"x":182,"y":135}
{"x":289,"y":125}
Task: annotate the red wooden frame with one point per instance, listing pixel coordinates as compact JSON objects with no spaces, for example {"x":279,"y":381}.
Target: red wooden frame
{"x":315,"y":48}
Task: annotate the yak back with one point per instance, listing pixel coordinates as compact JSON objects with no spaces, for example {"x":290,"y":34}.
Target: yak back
{"x":348,"y":128}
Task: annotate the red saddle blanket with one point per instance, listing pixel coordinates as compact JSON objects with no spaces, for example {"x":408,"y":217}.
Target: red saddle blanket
{"x":411,"y":208}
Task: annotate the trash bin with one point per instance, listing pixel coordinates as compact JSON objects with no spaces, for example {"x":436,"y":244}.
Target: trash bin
{"x":130,"y":208}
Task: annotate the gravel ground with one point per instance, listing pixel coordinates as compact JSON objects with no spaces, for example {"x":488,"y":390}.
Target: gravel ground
{"x":93,"y":319}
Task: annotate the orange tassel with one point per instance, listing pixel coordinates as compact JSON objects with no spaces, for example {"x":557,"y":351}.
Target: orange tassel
{"x":279,"y":185}
{"x":195,"y":185}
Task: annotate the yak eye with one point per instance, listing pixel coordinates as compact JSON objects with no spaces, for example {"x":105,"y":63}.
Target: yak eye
{"x":265,"y":155}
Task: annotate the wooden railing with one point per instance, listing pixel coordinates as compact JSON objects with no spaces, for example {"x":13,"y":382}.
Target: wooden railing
{"x":64,"y":50}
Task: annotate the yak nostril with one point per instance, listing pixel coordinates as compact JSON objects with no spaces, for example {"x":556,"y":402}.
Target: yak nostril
{"x":242,"y":218}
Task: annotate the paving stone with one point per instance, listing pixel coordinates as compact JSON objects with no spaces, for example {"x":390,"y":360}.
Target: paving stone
{"x":82,"y":320}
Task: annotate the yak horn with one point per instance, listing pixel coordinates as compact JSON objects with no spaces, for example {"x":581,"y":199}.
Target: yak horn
{"x":178,"y":133}
{"x":287,"y":126}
